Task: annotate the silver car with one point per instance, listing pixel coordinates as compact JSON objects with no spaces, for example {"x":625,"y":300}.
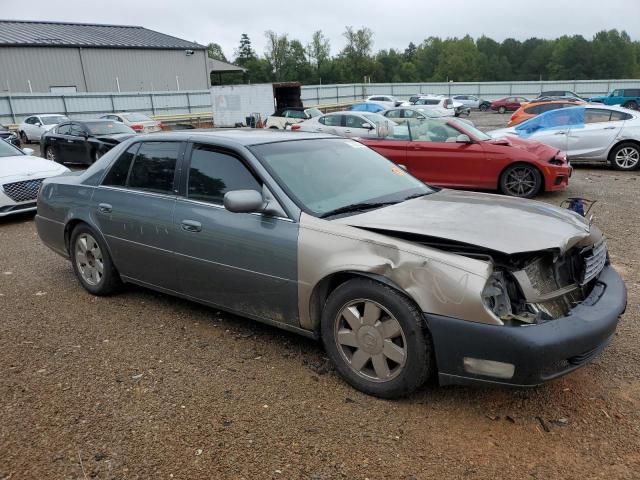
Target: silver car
{"x":587,"y":133}
{"x":322,"y":236}
{"x":347,"y":124}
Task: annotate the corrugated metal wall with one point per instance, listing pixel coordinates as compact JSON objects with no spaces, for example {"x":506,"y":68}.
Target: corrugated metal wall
{"x":137,"y":70}
{"x":328,"y":94}
{"x":14,"y":108}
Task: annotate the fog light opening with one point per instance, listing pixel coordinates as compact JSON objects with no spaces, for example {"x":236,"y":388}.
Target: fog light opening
{"x":489,"y":368}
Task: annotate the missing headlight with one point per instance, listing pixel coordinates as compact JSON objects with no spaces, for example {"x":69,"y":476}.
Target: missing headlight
{"x":496,"y":295}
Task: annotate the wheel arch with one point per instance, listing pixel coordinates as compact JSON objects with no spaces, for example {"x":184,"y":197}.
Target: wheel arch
{"x":328,"y":284}
{"x":72,"y":223}
{"x":528,"y":164}
{"x":617,"y":144}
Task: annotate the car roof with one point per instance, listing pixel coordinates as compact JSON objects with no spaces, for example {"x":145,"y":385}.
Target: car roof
{"x":243,"y":137}
{"x":49,"y":115}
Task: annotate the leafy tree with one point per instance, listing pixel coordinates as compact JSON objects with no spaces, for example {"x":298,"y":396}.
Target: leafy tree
{"x":319,"y":49}
{"x":244,"y":52}
{"x":214,"y":51}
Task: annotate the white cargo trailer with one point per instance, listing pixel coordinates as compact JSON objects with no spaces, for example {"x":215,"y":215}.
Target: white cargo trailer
{"x":237,"y":105}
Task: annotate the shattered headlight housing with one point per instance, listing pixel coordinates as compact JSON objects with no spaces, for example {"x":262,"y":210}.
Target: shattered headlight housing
{"x":495,"y":295}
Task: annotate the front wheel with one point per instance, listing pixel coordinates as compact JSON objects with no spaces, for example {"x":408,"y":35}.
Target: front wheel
{"x":23,"y":138}
{"x":625,"y":156}
{"x":376,"y":338}
{"x":484,"y":107}
{"x":523,"y":181}
{"x":92,"y":263}
{"x":50,"y":154}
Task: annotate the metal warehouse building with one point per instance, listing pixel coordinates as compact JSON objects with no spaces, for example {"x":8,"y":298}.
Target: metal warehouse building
{"x":56,"y":57}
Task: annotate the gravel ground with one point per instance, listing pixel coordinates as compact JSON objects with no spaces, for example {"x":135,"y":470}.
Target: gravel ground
{"x":142,"y":385}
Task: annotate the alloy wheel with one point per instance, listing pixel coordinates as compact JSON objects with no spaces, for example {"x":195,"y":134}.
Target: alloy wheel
{"x":521,"y":182}
{"x":371,"y":341}
{"x":51,"y":154}
{"x":627,"y":158}
{"x":89,"y":259}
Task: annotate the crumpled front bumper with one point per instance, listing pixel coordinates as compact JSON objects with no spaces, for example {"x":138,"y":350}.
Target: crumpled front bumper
{"x":539,"y":352}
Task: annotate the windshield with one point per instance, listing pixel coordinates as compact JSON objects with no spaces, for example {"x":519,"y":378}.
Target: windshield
{"x":313,"y":112}
{"x":53,"y":119}
{"x":136,"y":117}
{"x":108,"y":128}
{"x":480,"y":135}
{"x":8,"y":150}
{"x":328,"y":174}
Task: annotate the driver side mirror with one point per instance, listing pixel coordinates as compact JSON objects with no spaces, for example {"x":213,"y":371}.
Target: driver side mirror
{"x":368,"y":126}
{"x":244,"y":201}
{"x":38,"y":124}
{"x":463,"y":139}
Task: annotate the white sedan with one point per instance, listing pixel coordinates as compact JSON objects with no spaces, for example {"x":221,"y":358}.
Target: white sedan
{"x":588,"y":133}
{"x":33,"y":127}
{"x":21,"y":175}
{"x":139,"y":122}
{"x":347,"y":124}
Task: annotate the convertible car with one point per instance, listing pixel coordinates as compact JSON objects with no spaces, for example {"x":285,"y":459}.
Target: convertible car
{"x":590,"y":133}
{"x":322,"y":236}
{"x":453,"y":153}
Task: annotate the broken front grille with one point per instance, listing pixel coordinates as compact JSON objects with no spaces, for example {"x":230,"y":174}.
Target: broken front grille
{"x":23,"y":191}
{"x":595,"y":262}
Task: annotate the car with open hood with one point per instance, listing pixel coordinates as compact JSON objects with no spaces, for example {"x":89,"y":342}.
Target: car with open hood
{"x":453,"y":153}
{"x":9,"y":136}
{"x":587,"y":133}
{"x":21,"y":175}
{"x":83,"y":142}
{"x":322,"y":236}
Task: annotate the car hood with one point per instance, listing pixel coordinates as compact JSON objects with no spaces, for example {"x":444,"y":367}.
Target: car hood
{"x":28,"y":166}
{"x":512,"y":140}
{"x":503,"y":224}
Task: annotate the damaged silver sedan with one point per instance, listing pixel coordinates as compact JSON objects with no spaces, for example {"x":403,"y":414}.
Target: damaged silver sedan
{"x":324,"y":237}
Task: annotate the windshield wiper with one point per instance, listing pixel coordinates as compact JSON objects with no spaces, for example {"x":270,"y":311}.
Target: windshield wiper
{"x":356,"y":207}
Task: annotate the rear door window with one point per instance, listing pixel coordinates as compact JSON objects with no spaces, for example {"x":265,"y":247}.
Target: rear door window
{"x":117,"y":176}
{"x":618,"y":116}
{"x":596,"y":116}
{"x":154,"y":167}
{"x":213,"y":173}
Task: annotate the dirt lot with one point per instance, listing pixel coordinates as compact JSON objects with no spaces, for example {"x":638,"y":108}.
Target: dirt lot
{"x":142,"y":385}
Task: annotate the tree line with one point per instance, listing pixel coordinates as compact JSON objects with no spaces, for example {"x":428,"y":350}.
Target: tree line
{"x":609,"y":54}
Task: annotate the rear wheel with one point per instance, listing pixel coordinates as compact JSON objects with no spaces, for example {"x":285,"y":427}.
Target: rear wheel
{"x":50,"y":154}
{"x":625,"y":156}
{"x":521,"y":180}
{"x":502,"y":110}
{"x":484,"y":107}
{"x":631,"y":105}
{"x":376,"y":338}
{"x":92,"y":263}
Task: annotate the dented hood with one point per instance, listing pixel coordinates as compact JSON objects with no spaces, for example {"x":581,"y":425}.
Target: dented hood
{"x":504,"y":224}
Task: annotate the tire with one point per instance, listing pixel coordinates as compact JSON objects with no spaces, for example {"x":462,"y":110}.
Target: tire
{"x":393,"y":352}
{"x":484,"y":107}
{"x":50,"y":154}
{"x":274,"y":128}
{"x":89,"y":255}
{"x":625,"y":156}
{"x":521,"y":180}
{"x":23,"y":138}
{"x":502,"y":110}
{"x":632,"y":105}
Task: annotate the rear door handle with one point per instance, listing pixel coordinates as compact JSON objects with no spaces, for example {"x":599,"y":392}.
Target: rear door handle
{"x":105,"y":208}
{"x":560,"y":133}
{"x":191,"y":226}
{"x":609,"y":128}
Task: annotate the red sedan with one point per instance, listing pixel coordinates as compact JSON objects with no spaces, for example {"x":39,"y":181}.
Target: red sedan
{"x":508,"y":104}
{"x":453,"y":153}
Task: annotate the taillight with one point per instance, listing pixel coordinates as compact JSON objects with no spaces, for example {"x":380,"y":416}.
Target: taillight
{"x":295,"y":126}
{"x":137,"y":127}
{"x":160,"y":125}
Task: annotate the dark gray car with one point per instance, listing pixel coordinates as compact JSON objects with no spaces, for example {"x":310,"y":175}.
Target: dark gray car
{"x":322,"y":236}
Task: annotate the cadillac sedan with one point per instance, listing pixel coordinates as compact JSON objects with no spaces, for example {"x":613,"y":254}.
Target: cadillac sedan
{"x":322,"y":236}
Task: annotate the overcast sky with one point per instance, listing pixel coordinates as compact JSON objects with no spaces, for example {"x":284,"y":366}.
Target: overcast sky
{"x":394,"y":22}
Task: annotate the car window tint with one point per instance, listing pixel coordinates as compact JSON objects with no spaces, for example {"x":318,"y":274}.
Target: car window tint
{"x":617,"y":116}
{"x":64,"y":129}
{"x":596,"y":116}
{"x":331,"y":120}
{"x":355,"y":122}
{"x":76,"y":130}
{"x":393,"y":113}
{"x":154,"y":167}
{"x":117,"y":176}
{"x":213,"y":173}
{"x":296,"y":114}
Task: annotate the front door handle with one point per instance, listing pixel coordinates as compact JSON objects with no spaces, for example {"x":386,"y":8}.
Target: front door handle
{"x":105,"y":208}
{"x":191,"y":226}
{"x":560,"y":133}
{"x":609,"y":128}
